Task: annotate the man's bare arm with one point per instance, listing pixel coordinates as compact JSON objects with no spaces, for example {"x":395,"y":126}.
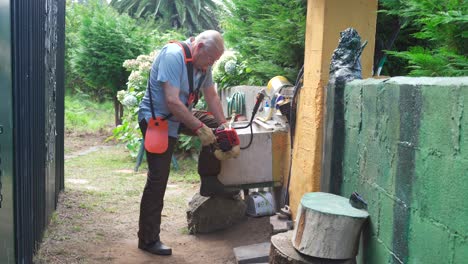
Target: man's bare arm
{"x":177,"y":108}
{"x":214,"y":104}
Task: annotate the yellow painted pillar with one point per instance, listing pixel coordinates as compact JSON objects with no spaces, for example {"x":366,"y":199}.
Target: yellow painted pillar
{"x":325,"y":20}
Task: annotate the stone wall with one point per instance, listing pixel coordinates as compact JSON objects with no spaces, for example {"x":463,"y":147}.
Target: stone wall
{"x":406,"y":153}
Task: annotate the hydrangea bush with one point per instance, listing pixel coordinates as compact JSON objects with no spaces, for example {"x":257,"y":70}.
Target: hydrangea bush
{"x":230,"y":70}
{"x":128,"y":132}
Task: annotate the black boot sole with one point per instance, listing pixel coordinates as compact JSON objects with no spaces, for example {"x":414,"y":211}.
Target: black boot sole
{"x":155,"y":250}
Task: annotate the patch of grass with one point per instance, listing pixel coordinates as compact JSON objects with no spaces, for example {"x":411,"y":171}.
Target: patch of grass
{"x":101,"y":203}
{"x":83,"y":115}
{"x":187,"y":171}
{"x":107,"y":175}
{"x":184,"y":231}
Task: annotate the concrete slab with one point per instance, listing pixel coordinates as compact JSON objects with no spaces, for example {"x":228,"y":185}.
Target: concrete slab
{"x":280,"y":225}
{"x":256,"y":253}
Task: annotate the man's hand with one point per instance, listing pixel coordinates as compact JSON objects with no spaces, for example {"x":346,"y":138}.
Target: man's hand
{"x":205,"y":134}
{"x":233,"y":153}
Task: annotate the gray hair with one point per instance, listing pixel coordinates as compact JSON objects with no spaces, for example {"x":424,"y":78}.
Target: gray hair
{"x":211,"y":39}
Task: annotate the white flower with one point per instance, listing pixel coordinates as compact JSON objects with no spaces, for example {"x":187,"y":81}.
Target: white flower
{"x":135,"y":77}
{"x":129,"y":100}
{"x":143,"y":58}
{"x":153,"y":55}
{"x":130,"y":64}
{"x":144,"y":66}
{"x":216,"y":74}
{"x":121,"y":95}
{"x":230,"y":67}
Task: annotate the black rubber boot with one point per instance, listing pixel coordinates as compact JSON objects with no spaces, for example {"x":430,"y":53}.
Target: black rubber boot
{"x":208,"y":169}
{"x":157,"y":248}
{"x":211,"y":186}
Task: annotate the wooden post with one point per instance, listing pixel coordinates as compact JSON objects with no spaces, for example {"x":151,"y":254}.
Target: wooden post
{"x":327,"y":226}
{"x":325,"y":20}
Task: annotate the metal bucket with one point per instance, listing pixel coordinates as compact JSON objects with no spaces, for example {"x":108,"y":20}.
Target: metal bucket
{"x":276,"y":84}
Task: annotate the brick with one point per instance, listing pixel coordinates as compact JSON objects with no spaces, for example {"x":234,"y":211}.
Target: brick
{"x":280,"y":225}
{"x":441,"y":186}
{"x":428,"y":243}
{"x":256,"y":253}
{"x":461,"y":250}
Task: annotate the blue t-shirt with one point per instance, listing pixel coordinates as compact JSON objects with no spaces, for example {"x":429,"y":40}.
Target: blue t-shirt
{"x":169,"y":66}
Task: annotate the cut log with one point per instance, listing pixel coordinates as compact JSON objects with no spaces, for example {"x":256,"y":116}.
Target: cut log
{"x":327,"y":226}
{"x":283,"y":252}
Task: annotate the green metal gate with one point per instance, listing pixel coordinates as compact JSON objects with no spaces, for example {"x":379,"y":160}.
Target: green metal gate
{"x":7,"y":234}
{"x":31,"y":122}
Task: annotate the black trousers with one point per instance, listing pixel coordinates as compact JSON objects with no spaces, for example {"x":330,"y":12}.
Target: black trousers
{"x":152,"y":201}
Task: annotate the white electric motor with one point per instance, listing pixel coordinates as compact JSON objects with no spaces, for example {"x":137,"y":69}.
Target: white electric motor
{"x":260,"y":204}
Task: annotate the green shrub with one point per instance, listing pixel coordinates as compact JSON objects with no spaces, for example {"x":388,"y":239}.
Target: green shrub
{"x":441,"y":28}
{"x":230,"y":70}
{"x":103,"y":41}
{"x":269,"y":36}
{"x":128,"y":132}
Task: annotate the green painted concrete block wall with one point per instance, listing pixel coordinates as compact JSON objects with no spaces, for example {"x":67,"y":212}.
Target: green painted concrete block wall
{"x":406,"y":153}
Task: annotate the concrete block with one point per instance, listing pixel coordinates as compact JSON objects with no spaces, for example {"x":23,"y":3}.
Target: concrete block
{"x":461,"y":250}
{"x":373,"y":251}
{"x":386,"y":220}
{"x":442,"y":117}
{"x":441,"y":186}
{"x":280,"y":225}
{"x":427,"y":242}
{"x":256,"y":253}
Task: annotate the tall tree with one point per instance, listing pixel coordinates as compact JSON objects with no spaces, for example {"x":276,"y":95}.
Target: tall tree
{"x":434,"y":34}
{"x":268,"y":34}
{"x":103,"y":42}
{"x":192,"y":15}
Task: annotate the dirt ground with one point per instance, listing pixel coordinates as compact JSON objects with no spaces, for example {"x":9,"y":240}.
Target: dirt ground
{"x":92,"y":226}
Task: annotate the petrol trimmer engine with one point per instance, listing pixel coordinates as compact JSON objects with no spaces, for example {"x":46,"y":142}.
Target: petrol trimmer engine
{"x":226,"y":138}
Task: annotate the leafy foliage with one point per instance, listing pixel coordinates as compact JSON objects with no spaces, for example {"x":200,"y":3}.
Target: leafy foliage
{"x":440,"y":29}
{"x":99,"y":42}
{"x":438,"y":62}
{"x":103,"y":41}
{"x":269,"y":36}
{"x":229,"y":71}
{"x":192,"y":15}
{"x":128,"y":132}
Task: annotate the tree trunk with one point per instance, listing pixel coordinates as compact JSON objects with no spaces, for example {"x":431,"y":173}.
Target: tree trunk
{"x":283,"y":252}
{"x":118,"y":111}
{"x":327,"y":226}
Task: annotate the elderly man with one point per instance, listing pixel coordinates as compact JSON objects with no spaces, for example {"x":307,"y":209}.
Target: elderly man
{"x":173,"y":87}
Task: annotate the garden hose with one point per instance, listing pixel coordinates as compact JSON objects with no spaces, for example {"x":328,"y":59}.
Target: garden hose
{"x":292,"y":127}
{"x":236,"y":104}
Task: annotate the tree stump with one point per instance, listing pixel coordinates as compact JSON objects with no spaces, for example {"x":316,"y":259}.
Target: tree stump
{"x":327,"y":226}
{"x":283,"y":252}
